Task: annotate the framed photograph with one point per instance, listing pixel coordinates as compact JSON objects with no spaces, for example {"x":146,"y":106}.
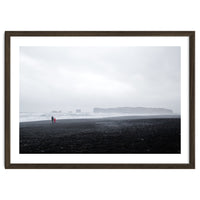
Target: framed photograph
{"x":100,"y":99}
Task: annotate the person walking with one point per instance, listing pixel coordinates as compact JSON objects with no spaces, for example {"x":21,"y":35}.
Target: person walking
{"x":52,"y":119}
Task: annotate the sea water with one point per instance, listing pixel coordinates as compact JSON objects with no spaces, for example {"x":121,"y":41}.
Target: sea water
{"x":39,"y":116}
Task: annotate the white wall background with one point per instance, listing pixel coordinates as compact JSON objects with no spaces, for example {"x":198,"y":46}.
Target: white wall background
{"x":99,"y":15}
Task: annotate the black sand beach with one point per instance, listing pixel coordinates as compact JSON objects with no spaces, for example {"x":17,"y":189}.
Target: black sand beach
{"x":153,"y":134}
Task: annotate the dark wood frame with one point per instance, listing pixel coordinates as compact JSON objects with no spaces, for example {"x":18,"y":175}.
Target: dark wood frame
{"x":190,"y":34}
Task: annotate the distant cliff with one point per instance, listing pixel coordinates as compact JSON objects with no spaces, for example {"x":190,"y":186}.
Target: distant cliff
{"x":133,"y":110}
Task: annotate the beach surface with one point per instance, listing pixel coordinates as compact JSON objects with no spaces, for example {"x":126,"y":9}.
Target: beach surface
{"x":132,"y":134}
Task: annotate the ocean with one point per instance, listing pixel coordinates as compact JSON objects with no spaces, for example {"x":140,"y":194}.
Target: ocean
{"x":39,"y":116}
{"x":35,"y":116}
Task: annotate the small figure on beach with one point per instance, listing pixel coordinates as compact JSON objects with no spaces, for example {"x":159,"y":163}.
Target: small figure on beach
{"x":52,"y":119}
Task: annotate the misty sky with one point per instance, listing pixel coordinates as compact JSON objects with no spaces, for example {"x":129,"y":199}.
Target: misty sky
{"x":68,"y":78}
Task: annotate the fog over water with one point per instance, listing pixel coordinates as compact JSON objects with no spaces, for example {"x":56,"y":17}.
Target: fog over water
{"x":71,"y":78}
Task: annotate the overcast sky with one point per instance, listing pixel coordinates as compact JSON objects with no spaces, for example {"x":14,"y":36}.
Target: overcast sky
{"x":68,"y":78}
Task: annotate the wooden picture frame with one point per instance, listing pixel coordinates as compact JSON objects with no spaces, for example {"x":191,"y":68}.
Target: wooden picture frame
{"x":9,"y":75}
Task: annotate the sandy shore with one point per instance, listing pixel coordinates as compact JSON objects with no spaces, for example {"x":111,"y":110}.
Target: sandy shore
{"x":153,"y":134}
